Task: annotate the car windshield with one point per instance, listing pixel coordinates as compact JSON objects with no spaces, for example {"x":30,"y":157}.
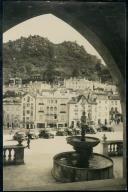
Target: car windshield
{"x":20,"y":133}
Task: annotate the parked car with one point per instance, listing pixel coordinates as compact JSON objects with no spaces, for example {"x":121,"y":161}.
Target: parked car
{"x":34,"y":134}
{"x":77,"y":131}
{"x":105,"y":128}
{"x":69,"y":131}
{"x":61,"y":133}
{"x":20,"y":135}
{"x":91,"y":130}
{"x":46,"y":134}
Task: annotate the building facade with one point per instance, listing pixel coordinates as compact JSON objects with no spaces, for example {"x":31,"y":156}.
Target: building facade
{"x":28,"y":111}
{"x":11,"y":113}
{"x":79,"y":105}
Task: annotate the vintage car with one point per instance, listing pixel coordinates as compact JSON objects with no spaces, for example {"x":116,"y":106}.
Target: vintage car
{"x":46,"y":134}
{"x":77,"y":131}
{"x":20,"y":135}
{"x":105,"y":128}
{"x":61,"y":133}
{"x":91,"y":130}
{"x":34,"y":134}
{"x":69,"y":131}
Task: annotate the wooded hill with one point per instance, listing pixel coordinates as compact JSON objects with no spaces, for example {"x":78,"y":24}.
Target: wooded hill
{"x":35,"y":55}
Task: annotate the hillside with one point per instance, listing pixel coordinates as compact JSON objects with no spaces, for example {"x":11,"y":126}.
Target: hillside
{"x":27,"y":57}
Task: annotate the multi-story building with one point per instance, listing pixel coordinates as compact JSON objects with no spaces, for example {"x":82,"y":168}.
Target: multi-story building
{"x":114,"y":102}
{"x":84,"y":84}
{"x":15,"y":81}
{"x":115,"y":111}
{"x":28,"y":111}
{"x":77,"y":106}
{"x":62,"y":106}
{"x":97,"y":108}
{"x":11,"y":113}
{"x":102,"y":108}
{"x":51,"y":110}
{"x":81,"y":84}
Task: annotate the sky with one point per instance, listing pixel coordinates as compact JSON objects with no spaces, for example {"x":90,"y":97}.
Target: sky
{"x":51,"y":27}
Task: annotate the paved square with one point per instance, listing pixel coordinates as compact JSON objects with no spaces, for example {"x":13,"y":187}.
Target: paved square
{"x":39,"y":161}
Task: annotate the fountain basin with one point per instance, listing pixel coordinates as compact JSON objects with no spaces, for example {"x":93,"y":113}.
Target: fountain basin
{"x":75,"y":141}
{"x":65,"y":168}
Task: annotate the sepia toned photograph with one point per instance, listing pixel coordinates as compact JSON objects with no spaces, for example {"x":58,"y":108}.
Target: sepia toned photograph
{"x":64,"y":96}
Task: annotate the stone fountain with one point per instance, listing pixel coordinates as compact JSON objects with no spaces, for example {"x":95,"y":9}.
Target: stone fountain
{"x":82,"y":164}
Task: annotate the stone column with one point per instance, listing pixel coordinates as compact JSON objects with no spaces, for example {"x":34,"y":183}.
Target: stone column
{"x":105,"y":145}
{"x":19,"y":155}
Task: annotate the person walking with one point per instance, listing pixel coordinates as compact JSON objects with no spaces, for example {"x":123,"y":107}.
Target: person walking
{"x":28,"y":140}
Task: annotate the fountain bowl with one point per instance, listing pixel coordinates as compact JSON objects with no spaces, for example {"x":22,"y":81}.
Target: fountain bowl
{"x":75,"y":141}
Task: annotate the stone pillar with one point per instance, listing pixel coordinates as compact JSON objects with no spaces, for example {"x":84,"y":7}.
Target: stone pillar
{"x":105,"y":145}
{"x":19,"y":155}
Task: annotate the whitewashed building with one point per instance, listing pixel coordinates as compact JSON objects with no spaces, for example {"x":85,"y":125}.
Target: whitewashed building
{"x":102,"y":108}
{"x":28,"y":111}
{"x":12,"y":113}
{"x":51,"y":109}
{"x":76,"y":107}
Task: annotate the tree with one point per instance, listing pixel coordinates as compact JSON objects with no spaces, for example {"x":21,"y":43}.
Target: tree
{"x":75,"y":72}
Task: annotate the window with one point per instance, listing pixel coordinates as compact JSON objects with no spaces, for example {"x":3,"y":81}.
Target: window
{"x":41,"y":109}
{"x":23,"y":113}
{"x":28,"y":112}
{"x":55,"y":108}
{"x":28,"y":99}
{"x":55,"y":116}
{"x":28,"y":105}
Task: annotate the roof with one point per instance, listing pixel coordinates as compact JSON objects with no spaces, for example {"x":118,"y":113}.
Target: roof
{"x":75,"y":100}
{"x":30,"y":94}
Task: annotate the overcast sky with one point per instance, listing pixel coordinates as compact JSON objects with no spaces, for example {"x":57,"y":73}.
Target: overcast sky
{"x":51,"y":27}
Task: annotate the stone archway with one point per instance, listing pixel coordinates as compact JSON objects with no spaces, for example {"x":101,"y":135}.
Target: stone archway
{"x":73,"y":15}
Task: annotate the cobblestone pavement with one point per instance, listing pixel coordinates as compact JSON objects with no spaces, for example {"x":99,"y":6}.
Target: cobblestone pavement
{"x":39,"y":161}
